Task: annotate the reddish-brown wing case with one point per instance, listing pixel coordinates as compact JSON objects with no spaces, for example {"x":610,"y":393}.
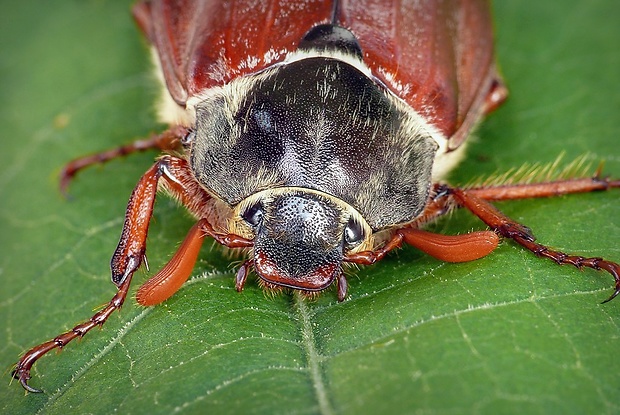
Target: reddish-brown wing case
{"x":437,"y":55}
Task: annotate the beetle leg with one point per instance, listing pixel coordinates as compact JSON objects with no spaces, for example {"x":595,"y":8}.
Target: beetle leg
{"x":21,"y":371}
{"x":126,"y":259}
{"x":443,"y":201}
{"x":478,"y":244}
{"x":370,"y":257}
{"x":450,"y":248}
{"x":172,"y":276}
{"x":179,"y":181}
{"x":476,"y":201}
{"x":545,"y":189}
{"x":131,"y":247}
{"x":166,"y":141}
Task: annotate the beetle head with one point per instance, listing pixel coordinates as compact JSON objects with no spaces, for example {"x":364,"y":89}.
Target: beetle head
{"x":301,"y":237}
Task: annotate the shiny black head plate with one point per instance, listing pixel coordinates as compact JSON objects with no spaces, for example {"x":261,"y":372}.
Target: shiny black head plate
{"x":300,"y":238}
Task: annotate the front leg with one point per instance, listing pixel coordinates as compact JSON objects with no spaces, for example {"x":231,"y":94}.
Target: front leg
{"x":126,"y":259}
{"x":131,"y":248}
{"x":449,"y":248}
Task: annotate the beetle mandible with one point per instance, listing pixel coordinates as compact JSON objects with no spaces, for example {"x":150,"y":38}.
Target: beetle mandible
{"x":313,"y":140}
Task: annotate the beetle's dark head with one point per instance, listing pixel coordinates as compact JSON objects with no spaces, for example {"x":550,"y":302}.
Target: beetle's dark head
{"x":301,"y":237}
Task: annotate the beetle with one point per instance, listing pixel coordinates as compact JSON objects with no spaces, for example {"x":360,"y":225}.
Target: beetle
{"x":312,"y":135}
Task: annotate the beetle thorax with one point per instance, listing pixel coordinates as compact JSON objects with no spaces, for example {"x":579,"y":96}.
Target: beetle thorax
{"x":320,"y":124}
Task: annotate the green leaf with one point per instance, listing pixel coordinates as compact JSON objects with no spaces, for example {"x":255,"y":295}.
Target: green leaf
{"x":510,"y":333}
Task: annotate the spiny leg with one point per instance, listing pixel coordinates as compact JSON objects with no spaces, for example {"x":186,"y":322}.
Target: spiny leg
{"x":509,"y":228}
{"x":545,"y":189}
{"x":464,"y":247}
{"x":22,"y":368}
{"x":166,"y":141}
{"x":131,"y":250}
{"x":181,"y":184}
{"x":126,"y":260}
{"x":477,"y":200}
{"x":443,"y":202}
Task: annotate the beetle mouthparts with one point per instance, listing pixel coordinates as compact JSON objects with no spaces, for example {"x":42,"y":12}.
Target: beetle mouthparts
{"x":317,"y":279}
{"x":299,"y":241}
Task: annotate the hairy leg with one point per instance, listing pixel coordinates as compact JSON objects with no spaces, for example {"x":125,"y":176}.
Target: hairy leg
{"x":167,"y":141}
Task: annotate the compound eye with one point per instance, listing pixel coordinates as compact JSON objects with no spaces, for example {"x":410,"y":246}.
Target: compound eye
{"x":189,"y":137}
{"x":254,"y":214}
{"x":353,"y":233}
